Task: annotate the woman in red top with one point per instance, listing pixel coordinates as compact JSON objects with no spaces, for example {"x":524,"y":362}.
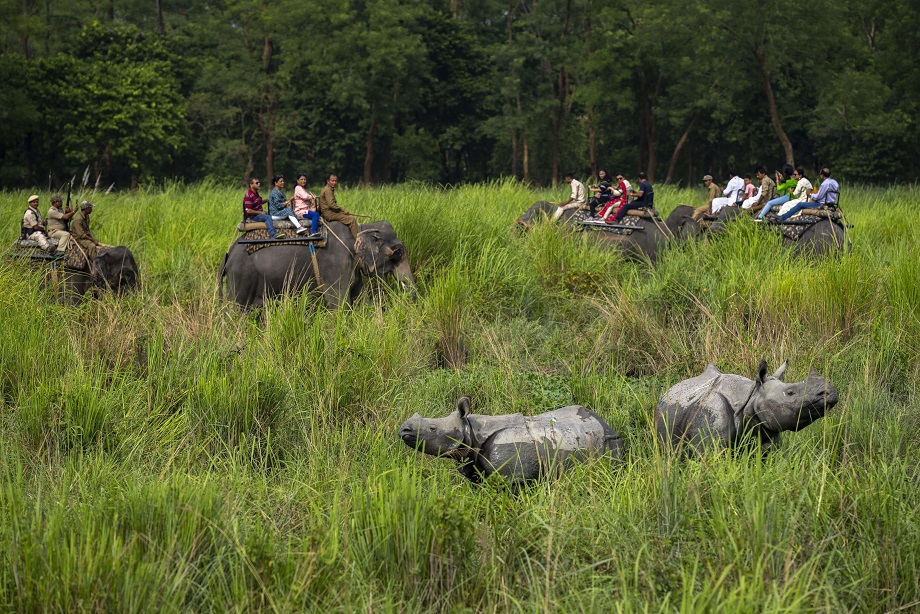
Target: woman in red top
{"x":617,"y":202}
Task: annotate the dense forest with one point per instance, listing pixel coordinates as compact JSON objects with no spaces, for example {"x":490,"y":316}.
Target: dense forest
{"x":455,"y":90}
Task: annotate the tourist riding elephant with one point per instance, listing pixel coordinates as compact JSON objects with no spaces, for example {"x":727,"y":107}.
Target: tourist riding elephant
{"x":113,"y":268}
{"x":279,"y":268}
{"x":645,"y":241}
{"x":822,"y":238}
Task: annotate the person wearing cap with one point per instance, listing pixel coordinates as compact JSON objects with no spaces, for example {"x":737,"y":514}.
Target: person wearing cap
{"x":32,"y":227}
{"x":79,"y":228}
{"x":714,"y":192}
{"x":58,"y":220}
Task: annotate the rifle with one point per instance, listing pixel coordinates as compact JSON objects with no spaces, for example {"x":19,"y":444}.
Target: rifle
{"x":67,"y":206}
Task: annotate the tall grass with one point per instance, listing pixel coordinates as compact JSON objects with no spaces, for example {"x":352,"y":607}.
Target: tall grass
{"x":165,"y":451}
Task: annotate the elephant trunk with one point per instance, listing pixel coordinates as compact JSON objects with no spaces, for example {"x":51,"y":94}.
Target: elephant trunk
{"x":403,"y":273}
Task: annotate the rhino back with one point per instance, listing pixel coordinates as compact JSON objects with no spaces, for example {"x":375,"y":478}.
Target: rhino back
{"x":703,"y":409}
{"x":528,"y":448}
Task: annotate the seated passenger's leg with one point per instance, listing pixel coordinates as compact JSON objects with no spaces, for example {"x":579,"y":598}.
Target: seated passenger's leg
{"x":796,"y":209}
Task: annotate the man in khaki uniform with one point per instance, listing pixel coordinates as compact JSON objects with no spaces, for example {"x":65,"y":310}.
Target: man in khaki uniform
{"x":32,"y":227}
{"x":57,"y":223}
{"x":767,"y":190}
{"x":714,"y":192}
{"x":330,"y":210}
{"x":79,"y":228}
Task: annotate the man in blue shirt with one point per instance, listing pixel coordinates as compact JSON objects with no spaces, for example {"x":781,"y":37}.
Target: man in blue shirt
{"x":827,"y":195}
{"x":645,"y":195}
{"x":643,"y":198}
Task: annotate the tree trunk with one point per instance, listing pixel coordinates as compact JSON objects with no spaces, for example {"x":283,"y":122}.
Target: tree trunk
{"x":161,"y":26}
{"x":680,"y":145}
{"x":270,"y":109}
{"x":648,"y":124}
{"x":761,"y":55}
{"x":526,"y":169}
{"x":557,"y":125}
{"x":24,"y":43}
{"x":369,"y":147}
{"x":110,"y":11}
{"x":592,"y":142}
{"x":455,"y":9}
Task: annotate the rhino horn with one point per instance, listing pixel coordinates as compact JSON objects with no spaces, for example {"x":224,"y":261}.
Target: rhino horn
{"x":464,"y":406}
{"x":781,"y":371}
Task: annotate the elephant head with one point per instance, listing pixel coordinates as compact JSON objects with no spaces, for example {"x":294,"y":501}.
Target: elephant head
{"x":115,"y":268}
{"x":382,"y":254}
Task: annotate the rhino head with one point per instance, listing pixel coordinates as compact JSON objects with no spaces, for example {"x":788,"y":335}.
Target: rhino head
{"x":438,"y":436}
{"x":781,"y":406}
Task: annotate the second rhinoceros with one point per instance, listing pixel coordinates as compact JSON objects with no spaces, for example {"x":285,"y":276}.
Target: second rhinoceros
{"x":517,"y":447}
{"x":721,"y":409}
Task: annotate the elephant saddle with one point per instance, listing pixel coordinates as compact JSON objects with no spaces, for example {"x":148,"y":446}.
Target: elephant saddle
{"x":264,"y":240}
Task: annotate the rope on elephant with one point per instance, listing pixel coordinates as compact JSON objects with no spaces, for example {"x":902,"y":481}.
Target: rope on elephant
{"x":319,"y":281}
{"x":345,"y":245}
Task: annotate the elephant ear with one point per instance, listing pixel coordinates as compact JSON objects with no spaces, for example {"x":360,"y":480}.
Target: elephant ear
{"x":365,"y":248}
{"x":99,"y":268}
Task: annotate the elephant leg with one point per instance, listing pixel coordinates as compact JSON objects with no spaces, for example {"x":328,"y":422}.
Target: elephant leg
{"x":339,"y":290}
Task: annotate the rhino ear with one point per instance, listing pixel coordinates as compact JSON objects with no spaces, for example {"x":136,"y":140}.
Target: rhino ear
{"x":762,"y":370}
{"x":464,"y":406}
{"x":782,"y":370}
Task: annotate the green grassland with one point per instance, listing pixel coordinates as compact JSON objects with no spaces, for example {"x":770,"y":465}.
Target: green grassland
{"x":166,"y":452}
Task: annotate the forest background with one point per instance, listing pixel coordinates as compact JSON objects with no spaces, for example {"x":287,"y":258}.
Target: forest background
{"x":455,"y":90}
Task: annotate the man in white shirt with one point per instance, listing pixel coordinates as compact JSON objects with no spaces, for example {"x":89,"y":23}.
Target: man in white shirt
{"x":733,"y":192}
{"x":577,"y":200}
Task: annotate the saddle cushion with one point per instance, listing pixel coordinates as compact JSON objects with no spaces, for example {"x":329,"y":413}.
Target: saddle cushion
{"x":262,"y":234}
{"x":278,"y":224}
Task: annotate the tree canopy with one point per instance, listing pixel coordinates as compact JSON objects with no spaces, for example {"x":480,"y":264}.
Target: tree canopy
{"x":456,"y":90}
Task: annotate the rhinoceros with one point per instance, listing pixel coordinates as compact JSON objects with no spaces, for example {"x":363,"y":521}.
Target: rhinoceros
{"x":720,"y":409}
{"x":517,"y":447}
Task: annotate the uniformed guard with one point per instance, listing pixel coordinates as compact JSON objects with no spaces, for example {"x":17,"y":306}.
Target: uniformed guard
{"x":79,"y":228}
{"x":58,"y":220}
{"x":32,"y":227}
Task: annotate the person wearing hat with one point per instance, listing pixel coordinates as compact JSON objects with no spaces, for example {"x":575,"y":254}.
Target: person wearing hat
{"x":714,"y":192}
{"x":79,"y":228}
{"x":58,"y":220}
{"x":32,"y":227}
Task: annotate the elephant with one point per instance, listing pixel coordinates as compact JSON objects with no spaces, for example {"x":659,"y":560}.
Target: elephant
{"x":70,"y":277}
{"x":646,"y":241}
{"x":519,"y":448}
{"x":823,"y":238}
{"x":343,"y":262}
{"x":717,"y":409}
{"x":113,"y":268}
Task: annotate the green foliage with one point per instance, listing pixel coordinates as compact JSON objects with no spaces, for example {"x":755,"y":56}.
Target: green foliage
{"x":448,"y":92}
{"x":165,"y":451}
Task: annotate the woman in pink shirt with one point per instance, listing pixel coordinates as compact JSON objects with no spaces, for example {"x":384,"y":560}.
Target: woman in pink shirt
{"x":305,"y":204}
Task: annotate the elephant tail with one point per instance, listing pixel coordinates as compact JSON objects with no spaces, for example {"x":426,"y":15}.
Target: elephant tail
{"x":221,"y":273}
